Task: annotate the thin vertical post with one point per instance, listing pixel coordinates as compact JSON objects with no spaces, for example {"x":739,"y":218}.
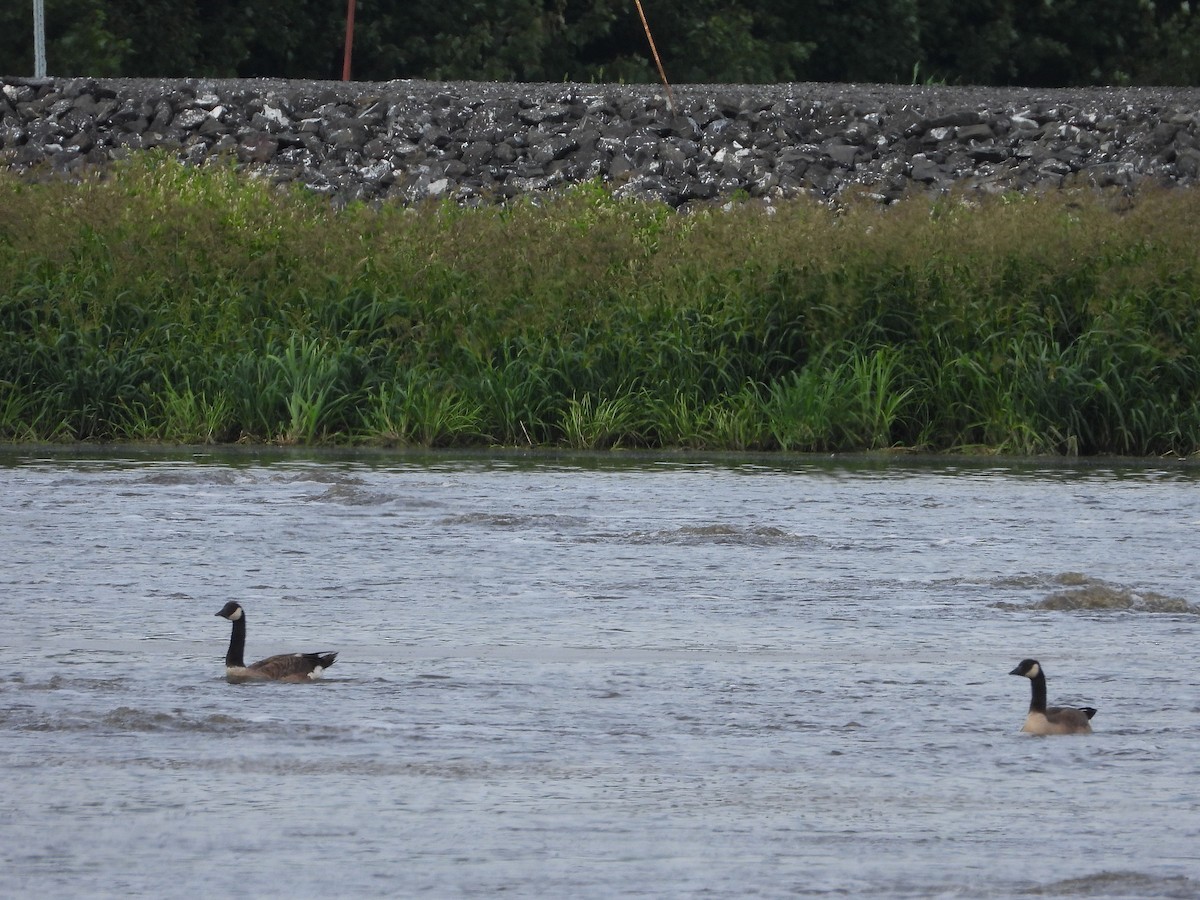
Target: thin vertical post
{"x":39,"y":39}
{"x":658,"y":62}
{"x":349,"y":40}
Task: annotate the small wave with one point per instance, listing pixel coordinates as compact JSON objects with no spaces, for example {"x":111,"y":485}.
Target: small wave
{"x":1020,"y":582}
{"x":219,"y":477}
{"x":1120,"y":884}
{"x":61,"y":683}
{"x":757,"y":535}
{"x":1083,"y":593}
{"x":1104,"y":597}
{"x":296,"y":766}
{"x":128,"y":719}
{"x":315,"y":475}
{"x":352,"y":495}
{"x":125,"y":718}
{"x":514,"y":522}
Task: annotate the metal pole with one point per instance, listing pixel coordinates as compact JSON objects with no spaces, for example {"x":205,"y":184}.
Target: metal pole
{"x":349,"y":40}
{"x":39,"y":39}
{"x":658,"y":62}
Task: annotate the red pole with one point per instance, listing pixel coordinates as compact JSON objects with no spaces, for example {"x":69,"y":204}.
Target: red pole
{"x":349,"y":40}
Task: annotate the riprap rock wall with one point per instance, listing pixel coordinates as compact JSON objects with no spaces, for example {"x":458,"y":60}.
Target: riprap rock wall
{"x":488,"y":142}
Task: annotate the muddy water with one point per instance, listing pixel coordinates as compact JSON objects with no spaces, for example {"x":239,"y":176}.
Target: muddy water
{"x":596,"y":677}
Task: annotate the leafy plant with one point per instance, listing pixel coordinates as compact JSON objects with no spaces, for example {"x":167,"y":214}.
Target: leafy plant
{"x":1040,"y":324}
{"x":417,"y":410}
{"x":601,"y":424}
{"x":310,"y":378}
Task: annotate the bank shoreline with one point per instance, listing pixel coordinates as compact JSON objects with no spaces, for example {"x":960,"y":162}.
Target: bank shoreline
{"x":375,"y":452}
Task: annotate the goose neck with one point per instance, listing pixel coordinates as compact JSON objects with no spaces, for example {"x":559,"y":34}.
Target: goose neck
{"x":1037,"y":702}
{"x":237,"y":644}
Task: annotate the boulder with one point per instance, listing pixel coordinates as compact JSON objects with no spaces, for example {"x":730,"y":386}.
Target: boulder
{"x":407,"y":141}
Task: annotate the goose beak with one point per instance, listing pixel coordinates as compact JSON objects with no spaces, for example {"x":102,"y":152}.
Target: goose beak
{"x":1016,"y":671}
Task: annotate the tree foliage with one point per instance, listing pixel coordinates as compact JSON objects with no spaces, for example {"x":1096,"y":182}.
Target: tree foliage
{"x":1038,"y":43}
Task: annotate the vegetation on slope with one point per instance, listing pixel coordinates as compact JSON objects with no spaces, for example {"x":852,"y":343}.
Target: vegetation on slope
{"x":164,"y":303}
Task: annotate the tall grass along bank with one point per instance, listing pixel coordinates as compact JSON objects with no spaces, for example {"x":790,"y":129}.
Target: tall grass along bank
{"x":165,"y":303}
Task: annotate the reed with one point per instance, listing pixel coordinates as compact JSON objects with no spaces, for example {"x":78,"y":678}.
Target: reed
{"x":195,"y":305}
{"x":418,"y":409}
{"x":192,"y":417}
{"x":309,"y":379}
{"x":589,"y":423}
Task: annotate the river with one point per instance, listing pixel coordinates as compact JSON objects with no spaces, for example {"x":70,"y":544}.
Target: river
{"x":596,"y":676}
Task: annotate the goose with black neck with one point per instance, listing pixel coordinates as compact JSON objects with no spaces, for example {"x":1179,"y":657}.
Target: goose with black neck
{"x":290,"y":667}
{"x":1043,"y":719}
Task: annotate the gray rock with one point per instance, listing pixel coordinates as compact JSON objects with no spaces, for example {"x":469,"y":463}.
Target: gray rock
{"x":843,"y":154}
{"x":925,"y":170}
{"x":409,"y":141}
{"x":191,"y":118}
{"x":1187,"y":163}
{"x":967,"y":133}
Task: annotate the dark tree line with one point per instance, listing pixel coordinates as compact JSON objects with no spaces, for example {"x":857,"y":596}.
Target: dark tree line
{"x":1027,"y":42}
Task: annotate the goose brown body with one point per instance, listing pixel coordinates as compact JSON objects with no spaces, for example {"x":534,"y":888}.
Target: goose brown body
{"x":292,"y":667}
{"x":1043,"y":719}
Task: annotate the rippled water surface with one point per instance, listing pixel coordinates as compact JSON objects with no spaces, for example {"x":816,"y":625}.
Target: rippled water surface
{"x":596,"y":677}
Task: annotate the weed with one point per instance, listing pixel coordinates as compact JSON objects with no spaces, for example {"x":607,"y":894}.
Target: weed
{"x":189,"y":305}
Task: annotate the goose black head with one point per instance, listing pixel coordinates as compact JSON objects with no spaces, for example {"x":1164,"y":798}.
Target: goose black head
{"x":231,"y":611}
{"x":1030,"y":668}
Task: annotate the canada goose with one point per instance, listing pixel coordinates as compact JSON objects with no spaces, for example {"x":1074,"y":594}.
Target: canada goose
{"x":1054,"y":719}
{"x":284,"y":667}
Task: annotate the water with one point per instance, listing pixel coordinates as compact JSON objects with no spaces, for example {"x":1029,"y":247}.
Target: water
{"x":596,"y":677}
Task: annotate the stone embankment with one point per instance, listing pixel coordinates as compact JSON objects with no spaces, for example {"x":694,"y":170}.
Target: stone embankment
{"x":483,"y":142}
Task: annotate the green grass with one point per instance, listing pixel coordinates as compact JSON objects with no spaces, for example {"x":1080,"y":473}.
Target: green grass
{"x":164,"y":303}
